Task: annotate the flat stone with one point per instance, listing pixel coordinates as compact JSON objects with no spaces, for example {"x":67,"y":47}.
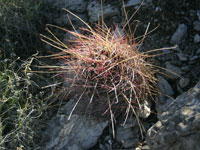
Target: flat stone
{"x":67,"y":134}
{"x":197,"y":38}
{"x":180,"y":33}
{"x":197,"y":25}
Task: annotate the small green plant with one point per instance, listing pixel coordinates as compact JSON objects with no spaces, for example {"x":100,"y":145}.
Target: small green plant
{"x":19,"y":110}
{"x":20,"y":100}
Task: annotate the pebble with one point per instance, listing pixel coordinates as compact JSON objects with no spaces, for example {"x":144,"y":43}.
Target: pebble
{"x":131,"y":3}
{"x":182,"y":57}
{"x":165,"y":88}
{"x":185,"y":68}
{"x":197,"y":25}
{"x":183,"y":82}
{"x":194,"y":58}
{"x":146,"y":147}
{"x":158,"y":9}
{"x":197,"y":38}
{"x":178,"y":88}
{"x":198,"y":51}
{"x":145,"y":110}
{"x":198,"y":14}
{"x":177,"y":48}
{"x":173,"y":72}
{"x":179,"y":34}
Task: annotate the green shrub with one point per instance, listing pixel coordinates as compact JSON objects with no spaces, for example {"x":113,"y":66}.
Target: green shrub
{"x":19,"y":109}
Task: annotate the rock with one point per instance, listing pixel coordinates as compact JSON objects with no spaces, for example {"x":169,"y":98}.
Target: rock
{"x":107,"y":146}
{"x":123,"y":134}
{"x":197,"y":38}
{"x":178,"y":128}
{"x":179,"y":34}
{"x":197,"y":25}
{"x":172,"y":72}
{"x":145,"y":147}
{"x":131,"y":3}
{"x":63,"y":20}
{"x":95,"y":12}
{"x":185,"y":68}
{"x":78,"y":6}
{"x":67,"y":134}
{"x":130,"y":143}
{"x":198,"y":14}
{"x":183,"y":82}
{"x":145,"y":110}
{"x":129,"y":137}
{"x":165,"y":98}
{"x":131,"y":122}
{"x":162,"y":107}
{"x":176,"y":63}
{"x":102,"y":147}
{"x":198,"y":51}
{"x":178,"y":88}
{"x":158,"y":9}
{"x":165,"y":89}
{"x":193,"y":58}
{"x":74,"y":147}
{"x":182,"y":57}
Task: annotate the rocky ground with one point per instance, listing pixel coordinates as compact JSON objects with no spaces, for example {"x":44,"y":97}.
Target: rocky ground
{"x":175,"y":121}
